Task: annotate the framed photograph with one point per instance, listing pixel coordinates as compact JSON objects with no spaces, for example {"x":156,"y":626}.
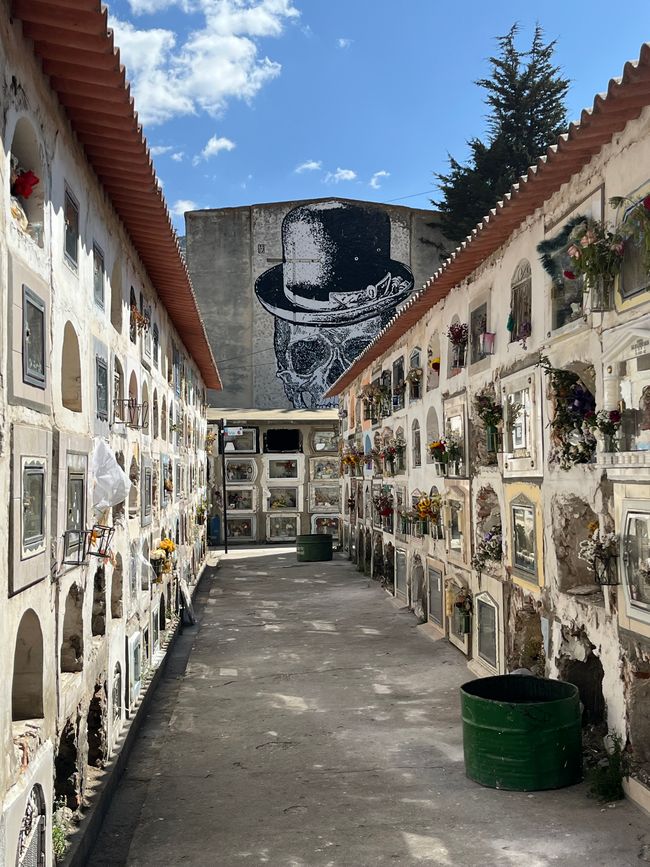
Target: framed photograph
{"x":324,"y":498}
{"x":241,"y":529}
{"x":246,"y":441}
{"x":523,"y":538}
{"x":282,"y":498}
{"x":324,"y":469}
{"x":325,"y":441}
{"x":240,"y":471}
{"x":240,"y":499}
{"x":283,"y":468}
{"x":326,"y":524}
{"x":281,"y":527}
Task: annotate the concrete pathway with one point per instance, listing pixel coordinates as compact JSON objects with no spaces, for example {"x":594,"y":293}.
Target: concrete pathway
{"x":314,"y":724}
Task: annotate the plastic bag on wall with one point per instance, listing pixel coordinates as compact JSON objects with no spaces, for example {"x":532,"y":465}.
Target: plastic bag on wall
{"x":112,"y":485}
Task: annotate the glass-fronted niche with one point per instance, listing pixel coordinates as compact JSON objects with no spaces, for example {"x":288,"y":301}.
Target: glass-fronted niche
{"x":630,"y":393}
{"x":326,"y":524}
{"x":283,"y":469}
{"x":636,"y":560}
{"x":241,"y":529}
{"x":281,"y":527}
{"x":241,"y":499}
{"x":240,"y":439}
{"x":486,"y":628}
{"x":325,"y":441}
{"x":283,"y":498}
{"x":324,"y":498}
{"x":240,"y":470}
{"x":324,"y":469}
{"x":524,"y":553}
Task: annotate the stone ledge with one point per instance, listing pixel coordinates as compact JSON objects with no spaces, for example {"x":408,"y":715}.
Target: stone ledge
{"x":85,"y":836}
{"x":638,"y":793}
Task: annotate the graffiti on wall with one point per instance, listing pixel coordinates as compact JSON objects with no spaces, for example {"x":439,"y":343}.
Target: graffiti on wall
{"x":335,"y":288}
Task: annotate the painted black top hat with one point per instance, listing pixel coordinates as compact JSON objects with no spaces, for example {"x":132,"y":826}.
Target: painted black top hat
{"x":336,"y":267}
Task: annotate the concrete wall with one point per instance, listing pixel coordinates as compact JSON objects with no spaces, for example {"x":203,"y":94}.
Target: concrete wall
{"x":553,"y":619}
{"x":41,"y":425}
{"x":272,"y":516}
{"x":284,"y":290}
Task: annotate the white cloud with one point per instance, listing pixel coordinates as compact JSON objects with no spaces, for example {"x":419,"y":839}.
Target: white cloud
{"x":178,"y":156}
{"x":203,"y":70}
{"x":181,"y":205}
{"x":344,"y":42}
{"x":215,"y":145}
{"x":308,"y":166}
{"x":340,"y":175}
{"x":374,"y":180}
{"x":157,"y":150}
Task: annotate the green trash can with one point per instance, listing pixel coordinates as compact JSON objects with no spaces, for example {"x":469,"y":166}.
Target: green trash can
{"x":521,"y":733}
{"x":314,"y":547}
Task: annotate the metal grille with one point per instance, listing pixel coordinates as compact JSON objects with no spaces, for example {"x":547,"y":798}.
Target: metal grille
{"x":34,"y":854}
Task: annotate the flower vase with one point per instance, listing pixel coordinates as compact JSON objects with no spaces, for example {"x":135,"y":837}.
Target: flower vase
{"x":423,"y":527}
{"x":492,"y":439}
{"x":440,"y":468}
{"x":405,"y":526}
{"x":458,"y":355}
{"x":606,"y":571}
{"x":464,"y":621}
{"x":602,"y":292}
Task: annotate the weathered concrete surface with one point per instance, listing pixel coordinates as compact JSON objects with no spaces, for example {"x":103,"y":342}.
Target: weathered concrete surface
{"x":315,"y":725}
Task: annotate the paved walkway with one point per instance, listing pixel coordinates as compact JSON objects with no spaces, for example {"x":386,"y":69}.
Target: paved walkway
{"x":313,"y":724}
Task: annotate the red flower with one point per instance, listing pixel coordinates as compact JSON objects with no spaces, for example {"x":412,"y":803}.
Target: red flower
{"x":614,"y":415}
{"x":25,"y":183}
{"x":570,"y":275}
{"x":646,"y":203}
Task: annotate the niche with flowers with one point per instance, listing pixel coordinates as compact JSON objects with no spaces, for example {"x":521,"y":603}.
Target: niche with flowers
{"x":26,"y":172}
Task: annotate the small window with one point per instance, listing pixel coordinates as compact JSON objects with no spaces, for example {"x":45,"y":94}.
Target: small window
{"x":523,"y":538}
{"x":71,"y":216}
{"x":146,"y":343}
{"x":101,"y":381}
{"x":33,"y":503}
{"x":133,"y":316}
{"x":98,"y":276}
{"x":156,"y":344}
{"x":487,"y":631}
{"x":33,"y":339}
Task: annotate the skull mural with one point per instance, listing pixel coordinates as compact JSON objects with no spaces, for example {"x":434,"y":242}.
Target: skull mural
{"x":334,"y":290}
{"x":310,"y":358}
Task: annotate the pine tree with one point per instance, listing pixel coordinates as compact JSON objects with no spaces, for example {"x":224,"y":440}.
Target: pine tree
{"x":525,"y":95}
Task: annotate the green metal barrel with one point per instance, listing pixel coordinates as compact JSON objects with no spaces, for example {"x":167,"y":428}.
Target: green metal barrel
{"x":521,"y":733}
{"x":314,"y":547}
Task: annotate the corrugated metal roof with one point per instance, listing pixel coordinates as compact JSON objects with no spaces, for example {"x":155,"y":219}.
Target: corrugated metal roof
{"x":624,"y":100}
{"x":75,"y":46}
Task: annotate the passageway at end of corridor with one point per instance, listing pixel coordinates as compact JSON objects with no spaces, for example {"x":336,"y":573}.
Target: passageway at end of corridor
{"x":308,"y":721}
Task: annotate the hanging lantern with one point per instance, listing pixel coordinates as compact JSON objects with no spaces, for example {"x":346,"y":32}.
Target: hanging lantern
{"x":100,"y":538}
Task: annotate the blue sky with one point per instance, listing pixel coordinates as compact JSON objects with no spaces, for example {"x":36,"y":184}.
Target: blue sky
{"x":249,"y":101}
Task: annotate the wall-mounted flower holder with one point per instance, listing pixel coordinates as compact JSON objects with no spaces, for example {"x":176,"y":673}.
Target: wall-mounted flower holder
{"x":458,"y":355}
{"x":602,"y":295}
{"x":486,"y":343}
{"x":463,"y":621}
{"x":606,"y":570}
{"x":492,"y":439}
{"x":128,"y":412}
